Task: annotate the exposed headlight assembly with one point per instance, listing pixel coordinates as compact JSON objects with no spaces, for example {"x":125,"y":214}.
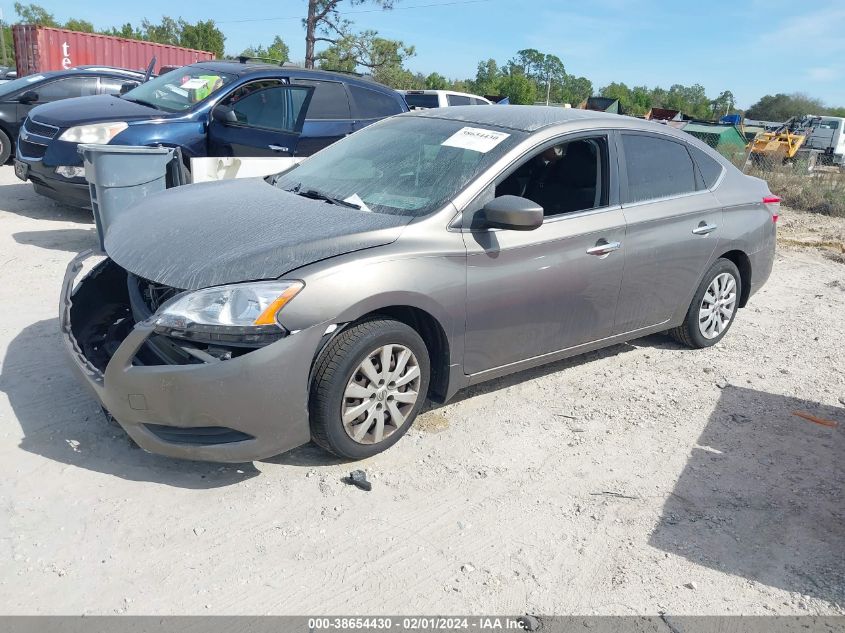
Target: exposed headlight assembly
{"x":237,"y":313}
{"x":94,"y":133}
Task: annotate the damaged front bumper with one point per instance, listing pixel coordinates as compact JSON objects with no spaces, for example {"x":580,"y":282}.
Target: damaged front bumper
{"x":247,"y":407}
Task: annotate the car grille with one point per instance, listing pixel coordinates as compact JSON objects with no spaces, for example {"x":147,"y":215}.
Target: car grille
{"x":198,"y":435}
{"x":31,"y":150}
{"x":40,"y":129}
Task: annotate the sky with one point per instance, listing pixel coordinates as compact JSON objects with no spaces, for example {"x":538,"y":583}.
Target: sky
{"x":750,"y":47}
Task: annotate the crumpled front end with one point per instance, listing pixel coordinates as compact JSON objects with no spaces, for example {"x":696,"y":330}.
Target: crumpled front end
{"x":218,"y":401}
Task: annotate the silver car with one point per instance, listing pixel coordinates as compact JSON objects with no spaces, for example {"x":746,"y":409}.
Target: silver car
{"x":431,"y":251}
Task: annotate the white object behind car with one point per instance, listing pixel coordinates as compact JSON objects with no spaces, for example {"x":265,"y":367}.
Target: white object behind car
{"x":424,"y":99}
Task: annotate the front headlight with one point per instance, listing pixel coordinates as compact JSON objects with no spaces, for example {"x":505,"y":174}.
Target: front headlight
{"x":94,"y":133}
{"x":235,"y":313}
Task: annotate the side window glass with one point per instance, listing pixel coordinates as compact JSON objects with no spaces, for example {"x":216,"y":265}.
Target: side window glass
{"x":657,"y":167}
{"x":67,"y":88}
{"x":563,"y":178}
{"x":113,"y":85}
{"x":329,"y":100}
{"x":372,"y":104}
{"x":710,"y":168}
{"x":269,"y":105}
{"x":456,"y":100}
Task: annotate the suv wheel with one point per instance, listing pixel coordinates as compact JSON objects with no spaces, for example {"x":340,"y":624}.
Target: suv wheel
{"x":368,"y":388}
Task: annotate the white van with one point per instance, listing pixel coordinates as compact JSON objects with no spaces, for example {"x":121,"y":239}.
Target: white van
{"x":423,"y":99}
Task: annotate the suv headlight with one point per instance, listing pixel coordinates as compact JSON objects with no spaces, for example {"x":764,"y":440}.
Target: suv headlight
{"x":245,"y":313}
{"x":94,"y":133}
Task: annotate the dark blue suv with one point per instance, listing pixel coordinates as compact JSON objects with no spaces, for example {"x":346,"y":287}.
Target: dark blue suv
{"x":217,"y":108}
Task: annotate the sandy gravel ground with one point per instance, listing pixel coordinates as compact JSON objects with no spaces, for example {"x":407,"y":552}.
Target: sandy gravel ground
{"x":641,"y":479}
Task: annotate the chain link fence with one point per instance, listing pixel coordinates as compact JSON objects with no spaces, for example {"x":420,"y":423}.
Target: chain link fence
{"x":809,"y":181}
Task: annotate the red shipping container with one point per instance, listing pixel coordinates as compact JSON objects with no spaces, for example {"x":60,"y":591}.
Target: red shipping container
{"x":41,"y":48}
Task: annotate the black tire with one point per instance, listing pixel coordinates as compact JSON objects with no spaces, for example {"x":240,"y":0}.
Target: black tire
{"x":689,"y":333}
{"x":335,"y":367}
{"x":5,"y":147}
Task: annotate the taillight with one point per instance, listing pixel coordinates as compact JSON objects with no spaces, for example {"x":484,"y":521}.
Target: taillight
{"x":773,"y":202}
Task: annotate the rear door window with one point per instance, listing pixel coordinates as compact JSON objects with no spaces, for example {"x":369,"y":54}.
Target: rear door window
{"x":329,"y":100}
{"x":67,"y":88}
{"x":657,"y":168}
{"x":372,"y":104}
{"x":456,"y":100}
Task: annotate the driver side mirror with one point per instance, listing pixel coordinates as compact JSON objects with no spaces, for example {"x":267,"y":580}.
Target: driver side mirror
{"x":124,"y":88}
{"x":30,"y":96}
{"x":512,"y":213}
{"x":224,"y":114}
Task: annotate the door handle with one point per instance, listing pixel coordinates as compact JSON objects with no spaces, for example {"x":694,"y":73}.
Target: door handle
{"x":278,"y":148}
{"x":604,"y":248}
{"x":704,"y":229}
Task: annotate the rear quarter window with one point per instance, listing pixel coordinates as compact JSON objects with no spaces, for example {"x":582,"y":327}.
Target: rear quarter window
{"x":709,"y":167}
{"x":372,"y":104}
{"x":657,"y":168}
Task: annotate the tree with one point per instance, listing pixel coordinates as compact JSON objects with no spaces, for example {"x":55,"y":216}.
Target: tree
{"x":205,"y":36}
{"x":79,"y":25}
{"x":35,"y":14}
{"x":486,"y":78}
{"x":518,"y":88}
{"x":781,"y":106}
{"x":436,"y":81}
{"x":325,"y":24}
{"x":127,"y":30}
{"x":573,"y":90}
{"x":723,"y":104}
{"x":383,"y":57}
{"x":277,"y":51}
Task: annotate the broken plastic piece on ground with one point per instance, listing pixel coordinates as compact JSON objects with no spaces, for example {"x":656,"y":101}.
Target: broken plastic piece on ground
{"x":359,"y":478}
{"x":814,"y":419}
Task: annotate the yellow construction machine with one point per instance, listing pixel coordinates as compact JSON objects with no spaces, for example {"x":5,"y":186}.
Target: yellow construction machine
{"x":785,"y":145}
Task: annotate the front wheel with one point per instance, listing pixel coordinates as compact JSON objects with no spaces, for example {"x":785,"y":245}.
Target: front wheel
{"x":368,"y":388}
{"x":713,"y":307}
{"x":5,"y":147}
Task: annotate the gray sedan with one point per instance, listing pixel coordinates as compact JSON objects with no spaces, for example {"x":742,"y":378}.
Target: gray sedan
{"x":434,"y":250}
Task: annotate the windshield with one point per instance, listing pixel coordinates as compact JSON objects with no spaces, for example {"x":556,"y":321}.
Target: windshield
{"x":421,"y":100}
{"x":402,"y":166}
{"x":179,"y":89}
{"x":8,"y":87}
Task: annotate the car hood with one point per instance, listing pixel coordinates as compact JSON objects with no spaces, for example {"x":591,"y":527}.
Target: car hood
{"x":82,"y":110}
{"x":202,"y":235}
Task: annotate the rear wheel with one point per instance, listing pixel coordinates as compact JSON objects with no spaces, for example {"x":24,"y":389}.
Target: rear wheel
{"x":713,"y":307}
{"x":368,"y":388}
{"x":5,"y":147}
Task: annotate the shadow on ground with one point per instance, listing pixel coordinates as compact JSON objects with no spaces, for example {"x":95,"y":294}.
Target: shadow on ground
{"x":62,"y":422}
{"x":71,"y":240}
{"x":21,"y":199}
{"x":762,"y":495}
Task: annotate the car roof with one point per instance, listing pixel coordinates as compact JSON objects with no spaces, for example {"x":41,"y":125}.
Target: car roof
{"x":529,"y":118}
{"x":444,"y":92}
{"x":295,"y":72}
{"x":110,"y":69}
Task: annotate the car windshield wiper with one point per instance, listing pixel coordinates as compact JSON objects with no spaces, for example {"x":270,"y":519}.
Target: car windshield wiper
{"x":316,"y":195}
{"x":142,"y":102}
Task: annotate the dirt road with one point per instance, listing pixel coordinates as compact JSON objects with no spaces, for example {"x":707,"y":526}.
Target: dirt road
{"x":640,"y":479}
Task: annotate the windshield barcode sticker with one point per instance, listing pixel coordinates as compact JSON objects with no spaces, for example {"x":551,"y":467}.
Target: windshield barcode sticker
{"x":475,"y":139}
